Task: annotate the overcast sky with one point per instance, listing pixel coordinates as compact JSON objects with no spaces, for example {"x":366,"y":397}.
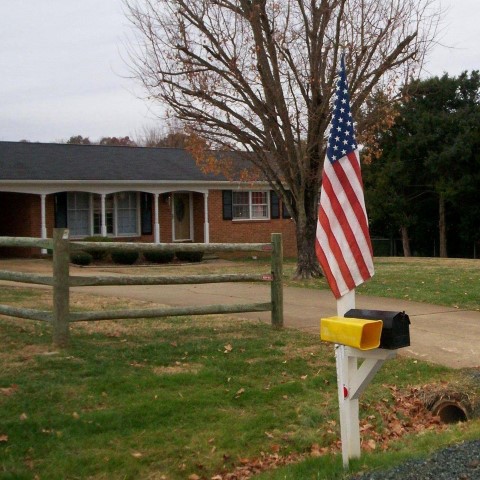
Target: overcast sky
{"x":62,"y":72}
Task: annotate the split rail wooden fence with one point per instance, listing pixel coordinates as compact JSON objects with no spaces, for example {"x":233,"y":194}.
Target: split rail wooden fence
{"x":61,"y":317}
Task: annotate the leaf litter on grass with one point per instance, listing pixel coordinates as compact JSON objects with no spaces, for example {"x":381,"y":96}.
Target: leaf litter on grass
{"x":211,"y":344}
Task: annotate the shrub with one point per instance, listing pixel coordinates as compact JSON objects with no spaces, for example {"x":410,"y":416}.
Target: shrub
{"x":159,"y":257}
{"x":98,"y":253}
{"x":81,"y":258}
{"x":124,"y":257}
{"x":189,"y":256}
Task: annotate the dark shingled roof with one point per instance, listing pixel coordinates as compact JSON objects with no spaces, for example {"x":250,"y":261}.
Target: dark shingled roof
{"x":51,"y":161}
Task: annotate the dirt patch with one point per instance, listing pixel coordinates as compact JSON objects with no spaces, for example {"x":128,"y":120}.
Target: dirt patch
{"x":178,"y":368}
{"x":20,"y":359}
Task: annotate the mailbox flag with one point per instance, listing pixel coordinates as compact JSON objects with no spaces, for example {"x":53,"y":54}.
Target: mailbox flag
{"x":343,"y":244}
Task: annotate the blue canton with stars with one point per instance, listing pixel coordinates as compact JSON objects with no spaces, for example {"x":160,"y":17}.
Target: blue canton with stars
{"x":341,"y":139}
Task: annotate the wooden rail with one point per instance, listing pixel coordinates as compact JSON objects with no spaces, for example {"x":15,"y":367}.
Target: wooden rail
{"x":61,"y":281}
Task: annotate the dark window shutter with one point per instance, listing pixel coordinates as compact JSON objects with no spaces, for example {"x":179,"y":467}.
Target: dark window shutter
{"x":227,"y":204}
{"x":60,"y":201}
{"x":146,"y":212}
{"x":285,"y":212}
{"x":274,"y":205}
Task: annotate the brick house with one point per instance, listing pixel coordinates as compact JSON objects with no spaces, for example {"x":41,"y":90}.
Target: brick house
{"x":131,"y":194}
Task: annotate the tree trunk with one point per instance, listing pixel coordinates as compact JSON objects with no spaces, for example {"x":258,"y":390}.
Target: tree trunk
{"x":442,"y":227}
{"x":405,"y":241}
{"x":306,"y":231}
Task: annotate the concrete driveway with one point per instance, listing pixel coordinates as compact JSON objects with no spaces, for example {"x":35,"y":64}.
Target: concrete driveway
{"x":441,"y":335}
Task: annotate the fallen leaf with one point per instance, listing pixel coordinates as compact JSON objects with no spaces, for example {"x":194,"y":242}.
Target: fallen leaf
{"x":239,"y":392}
{"x":316,"y":450}
{"x":23,"y":416}
{"x":3,"y":438}
{"x":8,"y":391}
{"x":75,"y":415}
{"x":370,"y":445}
{"x":304,"y":377}
{"x":136,"y":454}
{"x":275,"y":448}
{"x":193,"y":476}
{"x":228,"y":348}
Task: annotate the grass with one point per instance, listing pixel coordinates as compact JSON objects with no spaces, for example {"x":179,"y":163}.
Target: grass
{"x":179,"y":397}
{"x":450,"y":282}
{"x":170,"y":398}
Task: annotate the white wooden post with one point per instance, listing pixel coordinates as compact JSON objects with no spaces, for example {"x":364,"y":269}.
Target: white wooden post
{"x":43,"y":223}
{"x":103,"y":220}
{"x":206,"y":225}
{"x":156,"y":224}
{"x":352,"y":380}
{"x":346,"y":365}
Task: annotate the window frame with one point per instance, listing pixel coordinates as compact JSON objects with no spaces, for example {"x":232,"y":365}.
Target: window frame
{"x":251,"y":205}
{"x":92,"y":210}
{"x":72,"y":207}
{"x":134,"y":208}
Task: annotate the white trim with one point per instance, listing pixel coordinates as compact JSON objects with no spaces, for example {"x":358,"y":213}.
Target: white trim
{"x":111,"y":186}
{"x":206,"y":224}
{"x":103,"y":216}
{"x":190,"y":201}
{"x":156,"y":224}
{"x":43,"y":224}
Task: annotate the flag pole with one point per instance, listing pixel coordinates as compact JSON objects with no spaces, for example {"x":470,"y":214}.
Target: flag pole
{"x":349,"y":408}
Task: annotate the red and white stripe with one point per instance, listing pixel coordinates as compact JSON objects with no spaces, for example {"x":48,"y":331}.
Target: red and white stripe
{"x":343,"y":244}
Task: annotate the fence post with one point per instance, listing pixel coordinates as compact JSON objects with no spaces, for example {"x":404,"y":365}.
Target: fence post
{"x":61,"y":288}
{"x":277,"y":280}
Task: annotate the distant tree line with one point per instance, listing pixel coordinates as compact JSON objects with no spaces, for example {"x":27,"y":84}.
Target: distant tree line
{"x":424,"y":186}
{"x":151,"y":137}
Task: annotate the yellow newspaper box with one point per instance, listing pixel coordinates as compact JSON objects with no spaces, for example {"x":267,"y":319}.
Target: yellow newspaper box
{"x":353,"y":332}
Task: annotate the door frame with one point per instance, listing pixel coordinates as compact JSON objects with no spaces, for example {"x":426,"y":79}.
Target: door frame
{"x":190,"y":204}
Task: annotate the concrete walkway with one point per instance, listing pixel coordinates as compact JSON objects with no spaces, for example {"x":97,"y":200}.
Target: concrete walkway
{"x":438,"y":334}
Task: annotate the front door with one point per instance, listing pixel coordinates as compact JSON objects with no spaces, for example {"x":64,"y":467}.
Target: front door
{"x":181,"y":217}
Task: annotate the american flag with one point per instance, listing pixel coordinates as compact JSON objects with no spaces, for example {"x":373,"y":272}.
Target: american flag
{"x":343,"y":244}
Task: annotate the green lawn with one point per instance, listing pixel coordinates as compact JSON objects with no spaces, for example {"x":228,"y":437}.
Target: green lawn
{"x":450,"y":282}
{"x":201,"y":397}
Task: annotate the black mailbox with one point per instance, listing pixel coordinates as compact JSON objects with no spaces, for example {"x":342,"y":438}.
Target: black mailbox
{"x":395,"y":330}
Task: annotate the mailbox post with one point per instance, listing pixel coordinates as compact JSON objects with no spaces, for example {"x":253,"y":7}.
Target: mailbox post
{"x":357,"y":334}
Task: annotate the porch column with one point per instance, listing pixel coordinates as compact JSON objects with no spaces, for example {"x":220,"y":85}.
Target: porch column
{"x":103,"y":228}
{"x":206,"y":225}
{"x":156,"y":230}
{"x":43,"y":223}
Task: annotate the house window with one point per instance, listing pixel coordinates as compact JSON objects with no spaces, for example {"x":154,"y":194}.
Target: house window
{"x":84,"y":214}
{"x":250,"y":205}
{"x":78,"y":211}
{"x":126,"y":213}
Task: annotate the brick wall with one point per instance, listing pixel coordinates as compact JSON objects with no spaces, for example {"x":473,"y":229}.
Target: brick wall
{"x":248,"y":231}
{"x":20,"y":216}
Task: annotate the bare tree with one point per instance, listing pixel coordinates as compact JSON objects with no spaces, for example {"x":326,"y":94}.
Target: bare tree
{"x":258,"y":76}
